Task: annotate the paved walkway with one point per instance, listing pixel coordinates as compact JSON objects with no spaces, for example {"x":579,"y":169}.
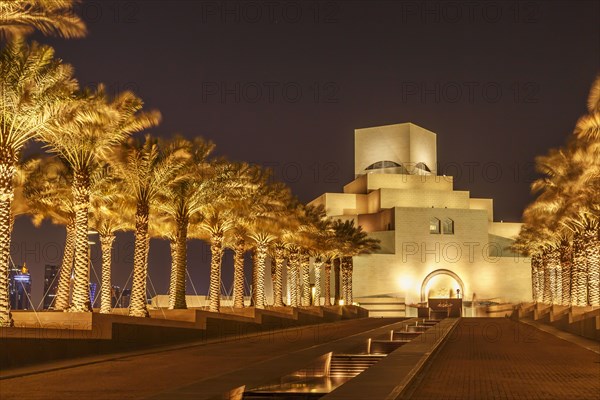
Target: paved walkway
{"x":140,"y":376}
{"x":496,"y":358}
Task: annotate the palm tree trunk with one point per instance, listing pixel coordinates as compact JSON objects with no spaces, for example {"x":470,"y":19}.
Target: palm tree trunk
{"x":106,"y":242}
{"x":216,"y":255}
{"x":547,"y":291}
{"x":173,"y":277}
{"x":336,"y":281}
{"x":7,"y":171}
{"x":254,"y":280}
{"x":138,"y":305}
{"x":566,"y":261}
{"x":238,"y":273}
{"x":261,"y":257}
{"x":61,"y":301}
{"x":349,"y":270}
{"x":273,"y":268}
{"x":344,"y":279}
{"x":305,"y":268}
{"x":278,"y":281}
{"x":553,"y":265}
{"x":592,"y":252}
{"x":177,"y":294}
{"x":327,"y":283}
{"x":81,"y":282}
{"x":293,"y":274}
{"x":579,"y":288}
{"x":536,"y":290}
{"x":317,"y":265}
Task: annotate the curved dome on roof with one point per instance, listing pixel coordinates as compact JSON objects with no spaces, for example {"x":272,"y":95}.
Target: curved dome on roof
{"x":423,"y":166}
{"x":383,"y":164}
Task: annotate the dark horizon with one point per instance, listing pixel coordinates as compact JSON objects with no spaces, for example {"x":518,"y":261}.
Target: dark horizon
{"x":284,"y":85}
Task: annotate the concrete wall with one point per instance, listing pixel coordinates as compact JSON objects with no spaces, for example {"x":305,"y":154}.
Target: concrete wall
{"x":483,"y":204}
{"x":423,"y":198}
{"x":423,"y":182}
{"x":419,"y":253}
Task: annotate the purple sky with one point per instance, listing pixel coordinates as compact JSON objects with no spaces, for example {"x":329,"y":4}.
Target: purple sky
{"x":284,"y":84}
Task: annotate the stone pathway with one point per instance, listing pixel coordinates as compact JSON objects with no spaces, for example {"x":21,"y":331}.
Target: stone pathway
{"x":497,"y":358}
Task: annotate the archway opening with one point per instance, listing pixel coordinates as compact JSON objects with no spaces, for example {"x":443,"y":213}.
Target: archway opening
{"x":441,"y":283}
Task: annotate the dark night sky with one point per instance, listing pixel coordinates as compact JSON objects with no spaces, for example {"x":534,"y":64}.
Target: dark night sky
{"x":284,"y":84}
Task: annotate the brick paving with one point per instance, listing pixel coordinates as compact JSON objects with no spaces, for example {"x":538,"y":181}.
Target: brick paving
{"x":494,"y":358}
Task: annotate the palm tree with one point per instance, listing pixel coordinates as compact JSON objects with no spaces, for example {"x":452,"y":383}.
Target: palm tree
{"x":587,"y":154}
{"x":327,"y":281}
{"x":33,"y":85}
{"x":111,"y":211}
{"x":292,"y":261}
{"x":181,"y":200}
{"x":313,"y":233}
{"x":145,"y":167}
{"x":278,"y":259}
{"x":354,"y":242}
{"x":51,"y":17}
{"x":567,"y":210}
{"x":48,"y":194}
{"x":267,"y":211}
{"x":238,"y":244}
{"x":229,"y":193}
{"x":324,"y":240}
{"x":92,"y":126}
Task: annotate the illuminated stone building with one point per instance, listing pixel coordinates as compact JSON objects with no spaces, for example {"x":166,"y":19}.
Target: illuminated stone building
{"x":435,"y":241}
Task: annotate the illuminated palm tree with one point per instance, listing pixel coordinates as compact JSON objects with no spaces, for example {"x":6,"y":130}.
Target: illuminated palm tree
{"x":33,"y":87}
{"x":238,"y":243}
{"x":51,"y":17}
{"x":181,"y":200}
{"x":567,"y":210}
{"x":228,"y":195}
{"x":312,"y":223}
{"x":91,"y":127}
{"x":587,"y":155}
{"x":48,"y":194}
{"x":293,"y":271}
{"x":323,"y":242}
{"x":145,"y":167}
{"x":267,"y":220}
{"x":111,"y":211}
{"x":293,"y":239}
{"x":278,"y":261}
{"x":354,"y":242}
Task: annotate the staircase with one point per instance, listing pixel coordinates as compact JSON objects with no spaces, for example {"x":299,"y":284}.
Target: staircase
{"x":350,"y":365}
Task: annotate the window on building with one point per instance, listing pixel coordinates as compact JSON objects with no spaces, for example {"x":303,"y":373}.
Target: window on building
{"x":448,"y":227}
{"x":434,"y":225}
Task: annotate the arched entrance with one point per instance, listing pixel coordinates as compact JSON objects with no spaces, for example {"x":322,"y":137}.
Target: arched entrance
{"x":436,"y":273}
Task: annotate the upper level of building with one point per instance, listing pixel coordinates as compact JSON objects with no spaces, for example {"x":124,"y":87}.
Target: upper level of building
{"x":396,"y":167}
{"x":397,"y":149}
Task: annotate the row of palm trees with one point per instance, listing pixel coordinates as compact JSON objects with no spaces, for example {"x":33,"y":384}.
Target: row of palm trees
{"x":562,"y":226}
{"x":97,"y":176}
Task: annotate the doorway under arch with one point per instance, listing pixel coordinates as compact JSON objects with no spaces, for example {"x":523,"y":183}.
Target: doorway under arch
{"x":435,"y":273}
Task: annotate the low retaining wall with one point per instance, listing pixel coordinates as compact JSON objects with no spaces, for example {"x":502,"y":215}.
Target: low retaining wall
{"x":48,"y":336}
{"x":582,"y":321}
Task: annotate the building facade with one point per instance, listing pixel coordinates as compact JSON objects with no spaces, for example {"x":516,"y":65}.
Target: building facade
{"x":436,"y":242}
